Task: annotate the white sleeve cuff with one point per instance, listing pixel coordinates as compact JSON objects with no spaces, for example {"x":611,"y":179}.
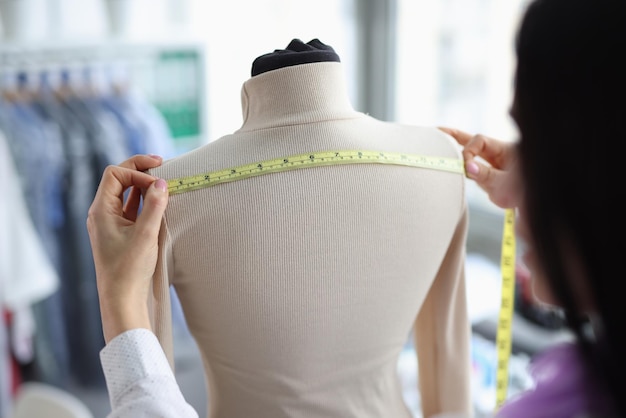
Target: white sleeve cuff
{"x":131,"y":357}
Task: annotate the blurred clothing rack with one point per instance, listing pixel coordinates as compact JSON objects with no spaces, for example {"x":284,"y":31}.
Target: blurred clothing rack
{"x":66,"y":112}
{"x":171,"y":76}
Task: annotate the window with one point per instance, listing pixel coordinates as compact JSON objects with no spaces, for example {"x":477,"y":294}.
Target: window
{"x":455,"y":63}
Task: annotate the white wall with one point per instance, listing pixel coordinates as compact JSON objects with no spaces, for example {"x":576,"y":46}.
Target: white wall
{"x":84,"y":20}
{"x":238,"y":31}
{"x":456,"y":64}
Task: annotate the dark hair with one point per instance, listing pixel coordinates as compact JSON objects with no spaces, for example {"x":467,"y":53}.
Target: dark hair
{"x":570,"y":107}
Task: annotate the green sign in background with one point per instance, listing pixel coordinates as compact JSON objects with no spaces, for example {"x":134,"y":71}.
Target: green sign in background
{"x":178,"y":92}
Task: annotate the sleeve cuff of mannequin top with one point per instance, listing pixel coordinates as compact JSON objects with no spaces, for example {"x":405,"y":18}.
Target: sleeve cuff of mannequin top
{"x":131,"y":357}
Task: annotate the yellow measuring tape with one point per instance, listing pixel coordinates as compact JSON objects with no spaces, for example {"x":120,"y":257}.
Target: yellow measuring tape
{"x":505,"y":321}
{"x":313,"y":159}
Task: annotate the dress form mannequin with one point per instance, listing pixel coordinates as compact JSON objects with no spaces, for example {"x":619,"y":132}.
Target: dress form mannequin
{"x":302,"y":287}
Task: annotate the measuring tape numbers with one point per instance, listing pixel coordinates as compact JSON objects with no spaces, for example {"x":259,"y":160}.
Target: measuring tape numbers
{"x":505,"y":321}
{"x":312,"y":159}
{"x":454,"y":165}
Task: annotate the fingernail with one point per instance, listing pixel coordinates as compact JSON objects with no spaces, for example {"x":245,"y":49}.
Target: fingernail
{"x":471,"y":168}
{"x":156,"y":157}
{"x":161,"y":185}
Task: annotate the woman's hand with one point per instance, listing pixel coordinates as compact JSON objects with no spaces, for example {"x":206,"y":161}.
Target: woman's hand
{"x":124,"y":242}
{"x":500,"y":178}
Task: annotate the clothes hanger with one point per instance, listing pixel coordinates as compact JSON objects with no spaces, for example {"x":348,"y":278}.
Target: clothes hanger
{"x":68,"y":83}
{"x":8,"y":85}
{"x":26,"y":85}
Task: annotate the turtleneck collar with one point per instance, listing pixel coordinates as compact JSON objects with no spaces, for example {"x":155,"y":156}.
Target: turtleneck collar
{"x":294,"y":95}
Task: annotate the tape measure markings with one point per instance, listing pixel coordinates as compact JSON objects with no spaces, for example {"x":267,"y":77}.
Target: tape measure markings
{"x":505,"y":320}
{"x":200,"y":181}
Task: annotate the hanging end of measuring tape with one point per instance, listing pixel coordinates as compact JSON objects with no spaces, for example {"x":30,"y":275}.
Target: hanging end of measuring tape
{"x":505,"y":320}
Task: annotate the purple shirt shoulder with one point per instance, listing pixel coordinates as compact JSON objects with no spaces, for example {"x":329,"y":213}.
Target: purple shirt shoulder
{"x":562,"y":388}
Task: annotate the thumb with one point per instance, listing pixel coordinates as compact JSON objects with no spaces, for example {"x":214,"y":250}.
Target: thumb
{"x":482,"y":174}
{"x":499,"y":184}
{"x":154,"y":203}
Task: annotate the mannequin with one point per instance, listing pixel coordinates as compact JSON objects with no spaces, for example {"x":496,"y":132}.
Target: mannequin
{"x":302,"y":287}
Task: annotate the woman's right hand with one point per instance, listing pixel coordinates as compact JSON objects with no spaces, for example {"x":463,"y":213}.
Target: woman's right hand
{"x":124,"y":241}
{"x":500,"y":176}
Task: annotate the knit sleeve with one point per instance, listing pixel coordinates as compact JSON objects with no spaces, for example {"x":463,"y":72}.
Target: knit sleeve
{"x":160,"y":307}
{"x":442,"y":335}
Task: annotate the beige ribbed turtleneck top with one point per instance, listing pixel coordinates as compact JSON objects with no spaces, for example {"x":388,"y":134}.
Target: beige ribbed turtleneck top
{"x":302,"y":287}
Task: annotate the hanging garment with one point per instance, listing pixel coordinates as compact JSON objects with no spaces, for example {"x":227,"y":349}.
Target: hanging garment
{"x":133,"y":127}
{"x":87,"y":163}
{"x":147,"y":130}
{"x":27,"y":274}
{"x":67,"y":134}
{"x":37,"y":149}
{"x":158,"y":139}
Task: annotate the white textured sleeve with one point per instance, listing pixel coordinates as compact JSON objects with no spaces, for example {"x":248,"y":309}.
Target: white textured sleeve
{"x":139,"y":379}
{"x":27,"y":274}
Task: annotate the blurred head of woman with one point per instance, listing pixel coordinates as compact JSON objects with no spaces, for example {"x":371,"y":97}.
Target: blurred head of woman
{"x":570,"y":108}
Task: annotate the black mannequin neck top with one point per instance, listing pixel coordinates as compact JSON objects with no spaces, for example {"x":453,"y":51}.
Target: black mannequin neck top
{"x":296,"y":53}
